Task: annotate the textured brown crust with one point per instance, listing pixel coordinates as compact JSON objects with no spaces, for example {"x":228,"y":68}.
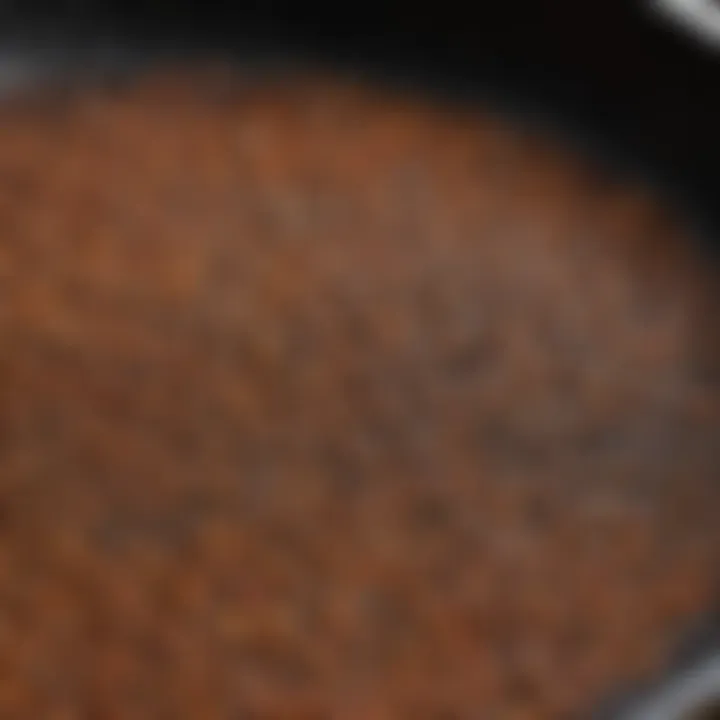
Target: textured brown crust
{"x":318,"y":402}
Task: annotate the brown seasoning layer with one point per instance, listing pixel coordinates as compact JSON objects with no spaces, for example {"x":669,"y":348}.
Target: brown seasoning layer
{"x":317,"y":401}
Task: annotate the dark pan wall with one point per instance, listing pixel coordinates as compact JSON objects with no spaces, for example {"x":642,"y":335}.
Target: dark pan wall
{"x":611,"y":67}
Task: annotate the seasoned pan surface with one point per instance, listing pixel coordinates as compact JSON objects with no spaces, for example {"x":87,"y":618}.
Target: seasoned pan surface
{"x":322,"y":400}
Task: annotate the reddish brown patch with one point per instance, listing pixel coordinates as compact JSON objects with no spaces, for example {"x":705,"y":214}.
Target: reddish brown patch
{"x":316,"y":402}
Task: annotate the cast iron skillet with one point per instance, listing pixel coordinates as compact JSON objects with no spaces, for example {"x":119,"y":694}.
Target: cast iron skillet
{"x":679,"y":149}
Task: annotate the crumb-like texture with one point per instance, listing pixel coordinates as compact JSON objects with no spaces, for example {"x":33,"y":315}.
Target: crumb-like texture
{"x":322,"y":402}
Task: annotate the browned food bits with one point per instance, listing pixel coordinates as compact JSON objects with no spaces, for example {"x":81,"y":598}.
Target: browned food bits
{"x":321,"y":402}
